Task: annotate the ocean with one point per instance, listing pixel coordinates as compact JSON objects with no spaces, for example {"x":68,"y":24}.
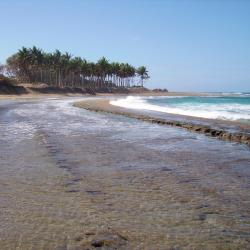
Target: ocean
{"x":223,"y":106}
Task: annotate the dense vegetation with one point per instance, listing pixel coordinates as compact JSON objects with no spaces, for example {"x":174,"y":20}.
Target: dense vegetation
{"x":62,"y":70}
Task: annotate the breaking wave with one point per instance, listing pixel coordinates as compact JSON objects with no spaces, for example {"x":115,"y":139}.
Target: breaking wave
{"x":212,"y":107}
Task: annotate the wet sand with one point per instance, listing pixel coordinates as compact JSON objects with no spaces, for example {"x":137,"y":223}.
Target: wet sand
{"x":75,"y":179}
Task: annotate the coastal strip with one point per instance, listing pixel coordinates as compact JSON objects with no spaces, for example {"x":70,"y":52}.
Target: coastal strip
{"x":103,"y":105}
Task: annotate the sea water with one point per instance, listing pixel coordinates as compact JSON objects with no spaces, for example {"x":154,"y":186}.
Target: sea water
{"x":223,"y":106}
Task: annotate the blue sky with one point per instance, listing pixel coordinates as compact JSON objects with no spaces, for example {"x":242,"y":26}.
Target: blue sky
{"x":186,"y":45}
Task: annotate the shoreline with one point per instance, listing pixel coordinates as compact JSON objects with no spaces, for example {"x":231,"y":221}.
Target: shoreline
{"x":103,"y":105}
{"x":34,"y":94}
{"x":28,"y":90}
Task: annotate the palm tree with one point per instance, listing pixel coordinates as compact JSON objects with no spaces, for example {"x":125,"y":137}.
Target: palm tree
{"x":63,"y":70}
{"x":64,"y":65}
{"x":102,"y":69}
{"x":36,"y":62}
{"x":143,"y":74}
{"x":114,"y":69}
{"x":22,"y":61}
{"x":92,"y":72}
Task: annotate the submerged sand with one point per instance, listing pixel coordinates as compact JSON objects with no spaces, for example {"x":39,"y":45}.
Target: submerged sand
{"x":77,"y":180}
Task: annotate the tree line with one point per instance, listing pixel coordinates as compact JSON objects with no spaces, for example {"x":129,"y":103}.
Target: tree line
{"x":59,"y":69}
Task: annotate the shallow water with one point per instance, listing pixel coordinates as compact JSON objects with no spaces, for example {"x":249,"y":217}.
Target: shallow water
{"x":69,"y":176}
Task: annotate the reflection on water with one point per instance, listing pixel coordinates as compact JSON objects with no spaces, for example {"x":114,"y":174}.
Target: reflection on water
{"x":73,"y":179}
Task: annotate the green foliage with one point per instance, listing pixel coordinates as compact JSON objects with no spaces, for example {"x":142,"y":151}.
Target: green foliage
{"x":61,"y":69}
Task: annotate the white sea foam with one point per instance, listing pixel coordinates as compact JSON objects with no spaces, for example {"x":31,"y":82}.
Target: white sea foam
{"x":211,"y":111}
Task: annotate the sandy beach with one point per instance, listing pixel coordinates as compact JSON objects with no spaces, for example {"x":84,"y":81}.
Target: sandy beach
{"x":41,"y":91}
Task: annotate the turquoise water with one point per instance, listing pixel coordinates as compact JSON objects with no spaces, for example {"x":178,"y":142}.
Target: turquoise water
{"x":234,"y":107}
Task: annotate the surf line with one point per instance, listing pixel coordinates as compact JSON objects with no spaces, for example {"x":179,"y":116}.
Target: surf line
{"x":104,"y":106}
